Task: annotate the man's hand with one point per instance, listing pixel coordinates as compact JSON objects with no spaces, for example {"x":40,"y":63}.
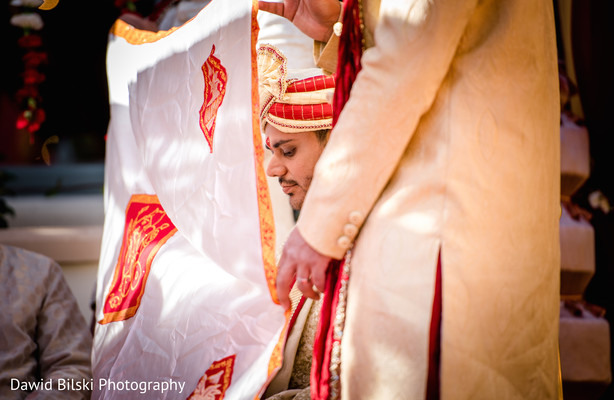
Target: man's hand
{"x":315,"y":18}
{"x":300,"y":262}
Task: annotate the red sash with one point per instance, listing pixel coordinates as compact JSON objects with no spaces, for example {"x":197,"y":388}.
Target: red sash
{"x":325,"y":334}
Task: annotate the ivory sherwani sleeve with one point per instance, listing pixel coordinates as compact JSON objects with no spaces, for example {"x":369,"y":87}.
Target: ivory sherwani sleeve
{"x":448,"y":150}
{"x":415,"y":43}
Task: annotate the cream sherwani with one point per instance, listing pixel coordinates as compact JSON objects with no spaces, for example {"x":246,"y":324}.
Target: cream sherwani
{"x":448,"y":145}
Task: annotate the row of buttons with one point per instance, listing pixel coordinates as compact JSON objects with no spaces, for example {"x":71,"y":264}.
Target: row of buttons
{"x":350,"y":229}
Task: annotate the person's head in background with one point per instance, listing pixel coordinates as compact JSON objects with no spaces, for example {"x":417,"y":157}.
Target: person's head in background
{"x":296,"y":118}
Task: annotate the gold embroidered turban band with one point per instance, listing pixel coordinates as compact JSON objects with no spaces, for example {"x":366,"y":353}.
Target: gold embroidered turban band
{"x":293,"y":100}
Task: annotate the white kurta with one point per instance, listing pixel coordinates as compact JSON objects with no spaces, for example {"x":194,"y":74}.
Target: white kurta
{"x":449,"y":144}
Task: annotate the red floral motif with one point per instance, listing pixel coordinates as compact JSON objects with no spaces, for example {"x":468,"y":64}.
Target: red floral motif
{"x":215,"y":77}
{"x":215,"y":382}
{"x":30,"y":41}
{"x":147,"y":228}
{"x":22,"y":121}
{"x":32,"y":77}
{"x":30,"y":120}
{"x":31,"y":116}
{"x":33,"y":59}
{"x":26,"y":92}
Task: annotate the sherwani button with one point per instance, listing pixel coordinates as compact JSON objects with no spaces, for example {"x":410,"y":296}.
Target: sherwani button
{"x":344,"y":242}
{"x":350,"y":230}
{"x":356,"y":217}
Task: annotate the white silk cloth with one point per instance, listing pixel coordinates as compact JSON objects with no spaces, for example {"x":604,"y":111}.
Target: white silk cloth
{"x":207,"y":295}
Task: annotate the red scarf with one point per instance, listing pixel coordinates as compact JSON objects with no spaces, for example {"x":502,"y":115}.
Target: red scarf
{"x":350,"y":52}
{"x":324,"y":339}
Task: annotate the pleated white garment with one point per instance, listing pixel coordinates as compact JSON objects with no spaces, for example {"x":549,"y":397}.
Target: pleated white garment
{"x":185,"y":283}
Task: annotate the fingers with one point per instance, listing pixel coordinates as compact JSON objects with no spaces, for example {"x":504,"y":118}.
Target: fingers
{"x":304,"y":282}
{"x":285,"y":279}
{"x":299,"y":260}
{"x":318,"y":276}
{"x":274,"y":8}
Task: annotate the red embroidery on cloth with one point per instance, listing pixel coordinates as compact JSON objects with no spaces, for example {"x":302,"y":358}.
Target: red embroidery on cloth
{"x":147,"y":228}
{"x":215,"y":77}
{"x":215,"y":382}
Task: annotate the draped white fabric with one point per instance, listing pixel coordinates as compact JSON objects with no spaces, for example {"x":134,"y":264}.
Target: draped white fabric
{"x":206,"y":295}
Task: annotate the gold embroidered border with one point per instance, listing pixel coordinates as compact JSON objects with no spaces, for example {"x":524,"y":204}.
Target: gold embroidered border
{"x":265,"y":210}
{"x":133,"y":35}
{"x":338,"y":328}
{"x":306,"y":124}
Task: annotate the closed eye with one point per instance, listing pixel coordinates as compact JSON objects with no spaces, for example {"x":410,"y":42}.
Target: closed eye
{"x":289,"y":153}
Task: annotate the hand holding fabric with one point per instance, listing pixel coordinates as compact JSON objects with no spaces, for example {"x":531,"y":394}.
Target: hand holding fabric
{"x":315,"y":18}
{"x":300,"y":262}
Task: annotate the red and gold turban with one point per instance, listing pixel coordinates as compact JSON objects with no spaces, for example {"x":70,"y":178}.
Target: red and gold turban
{"x":293,"y":100}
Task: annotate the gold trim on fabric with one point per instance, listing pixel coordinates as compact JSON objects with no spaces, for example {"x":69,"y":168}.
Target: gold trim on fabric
{"x":265,"y":210}
{"x":292,"y":126}
{"x":338,"y":328}
{"x":215,"y":78}
{"x":133,"y":35}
